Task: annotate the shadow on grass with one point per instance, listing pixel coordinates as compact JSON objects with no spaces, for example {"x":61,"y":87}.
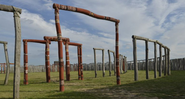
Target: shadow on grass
{"x":77,"y":95}
{"x":168,"y":87}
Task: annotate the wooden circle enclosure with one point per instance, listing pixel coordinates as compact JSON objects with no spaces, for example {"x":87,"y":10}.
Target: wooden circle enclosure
{"x":58,"y":7}
{"x":166,"y":54}
{"x":103,"y":64}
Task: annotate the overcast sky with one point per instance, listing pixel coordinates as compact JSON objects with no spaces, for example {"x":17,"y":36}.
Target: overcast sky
{"x":162,"y":20}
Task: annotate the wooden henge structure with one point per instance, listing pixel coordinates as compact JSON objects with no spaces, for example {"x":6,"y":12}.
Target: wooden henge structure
{"x":47,"y":64}
{"x":103,"y":64}
{"x":67,"y":42}
{"x":58,"y":7}
{"x":5,"y":67}
{"x":17,"y":52}
{"x":122,"y":62}
{"x":166,"y":55}
{"x":113,"y":67}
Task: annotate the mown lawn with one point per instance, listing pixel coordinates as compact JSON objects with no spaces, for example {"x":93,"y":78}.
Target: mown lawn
{"x":168,"y":87}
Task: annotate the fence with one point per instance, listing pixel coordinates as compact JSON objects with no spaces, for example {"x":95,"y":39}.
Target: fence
{"x":176,"y":64}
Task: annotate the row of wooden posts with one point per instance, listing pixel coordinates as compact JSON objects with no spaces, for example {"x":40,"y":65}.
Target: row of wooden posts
{"x":176,"y":64}
{"x":57,"y":7}
{"x":166,"y":59}
{"x":122,"y":62}
{"x":5,"y":66}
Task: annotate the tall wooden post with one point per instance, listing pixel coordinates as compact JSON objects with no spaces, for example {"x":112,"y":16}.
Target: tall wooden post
{"x":114,"y":63}
{"x":17,"y":54}
{"x":146,"y":61}
{"x":126,"y":65}
{"x":4,"y":66}
{"x":103,"y":64}
{"x":60,"y":50}
{"x":7,"y":64}
{"x":120,"y":63}
{"x":160,"y":60}
{"x":1,"y":68}
{"x":155,"y":60}
{"x":47,"y":62}
{"x":165,"y":61}
{"x":67,"y":62}
{"x":79,"y":73}
{"x":81,"y":65}
{"x":135,"y":59}
{"x":169,"y":65}
{"x":109,"y":63}
{"x":25,"y":62}
{"x":95,"y":66}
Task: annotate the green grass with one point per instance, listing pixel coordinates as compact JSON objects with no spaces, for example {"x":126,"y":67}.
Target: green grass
{"x":168,"y":87}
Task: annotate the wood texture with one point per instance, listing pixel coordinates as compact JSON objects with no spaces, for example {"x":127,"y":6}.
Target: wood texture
{"x":17,"y":55}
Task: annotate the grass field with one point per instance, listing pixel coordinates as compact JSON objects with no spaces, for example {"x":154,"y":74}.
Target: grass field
{"x":168,"y":87}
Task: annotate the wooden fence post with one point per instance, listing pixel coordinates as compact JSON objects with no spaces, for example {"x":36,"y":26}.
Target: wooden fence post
{"x":135,"y":59}
{"x":146,"y":61}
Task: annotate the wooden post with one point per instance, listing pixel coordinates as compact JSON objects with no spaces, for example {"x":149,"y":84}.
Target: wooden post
{"x":109,"y":63}
{"x":126,"y":65}
{"x":60,"y":50}
{"x":146,"y":53}
{"x":114,"y":63}
{"x":79,"y":74}
{"x":81,"y":66}
{"x":103,"y":64}
{"x":160,"y":60}
{"x":25,"y":62}
{"x":169,"y":65}
{"x":7,"y":64}
{"x":67,"y":62}
{"x":155,"y":60}
{"x":4,"y":66}
{"x":135,"y":59}
{"x":95,"y":66}
{"x":1,"y":68}
{"x":165,"y":61}
{"x":47,"y":61}
{"x":17,"y":55}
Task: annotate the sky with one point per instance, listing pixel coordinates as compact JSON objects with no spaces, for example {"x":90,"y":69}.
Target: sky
{"x":162,"y":20}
